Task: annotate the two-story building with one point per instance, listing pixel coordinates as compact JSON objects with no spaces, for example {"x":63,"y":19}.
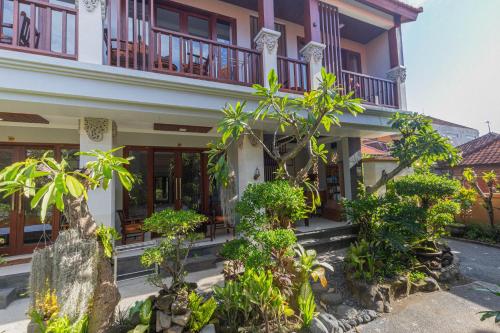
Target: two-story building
{"x":152,"y":76}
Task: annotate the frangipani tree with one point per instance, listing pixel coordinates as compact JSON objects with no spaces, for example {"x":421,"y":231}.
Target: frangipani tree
{"x":419,"y":145}
{"x":490,"y":179}
{"x":51,"y":183}
{"x":296,"y":120}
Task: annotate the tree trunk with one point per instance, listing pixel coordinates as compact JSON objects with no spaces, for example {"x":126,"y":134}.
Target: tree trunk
{"x":384,"y":179}
{"x":106,"y":295}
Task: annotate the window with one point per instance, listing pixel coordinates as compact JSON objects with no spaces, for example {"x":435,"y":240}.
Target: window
{"x":168,"y":19}
{"x":351,"y":61}
{"x":198,"y":27}
{"x":254,"y":30}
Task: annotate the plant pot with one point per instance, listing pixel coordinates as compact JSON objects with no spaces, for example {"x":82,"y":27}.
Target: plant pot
{"x":456,"y":230}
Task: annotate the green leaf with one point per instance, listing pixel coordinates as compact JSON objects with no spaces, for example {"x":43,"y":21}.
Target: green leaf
{"x":39,"y":194}
{"x":140,"y":329}
{"x":47,"y":201}
{"x":75,"y":188}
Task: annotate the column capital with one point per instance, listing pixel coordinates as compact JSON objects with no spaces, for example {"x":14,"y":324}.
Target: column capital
{"x":95,"y":128}
{"x":267,"y":38}
{"x":397,"y":74}
{"x":313,"y":52}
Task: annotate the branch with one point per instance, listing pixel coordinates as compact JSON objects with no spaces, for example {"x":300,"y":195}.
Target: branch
{"x":386,"y":177}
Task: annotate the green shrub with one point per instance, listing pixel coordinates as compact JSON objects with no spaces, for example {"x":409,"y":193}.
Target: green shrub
{"x":201,"y":312}
{"x":252,"y":302}
{"x":177,"y":229}
{"x":306,"y":304}
{"x":482,"y":233}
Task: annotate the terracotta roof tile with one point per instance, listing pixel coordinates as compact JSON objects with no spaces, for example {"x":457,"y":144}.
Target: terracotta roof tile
{"x":483,"y":150}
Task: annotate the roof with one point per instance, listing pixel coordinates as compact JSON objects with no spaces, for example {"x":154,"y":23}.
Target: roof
{"x":374,"y":148}
{"x":407,"y":12}
{"x":480,"y":151}
{"x":438,"y":121}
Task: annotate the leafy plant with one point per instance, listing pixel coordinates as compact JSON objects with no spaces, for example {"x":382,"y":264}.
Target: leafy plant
{"x":322,"y":108}
{"x":491,"y":314}
{"x":145,"y":310}
{"x":419,"y":145}
{"x":107,"y":236}
{"x":177,"y":229}
{"x":59,"y":324}
{"x":490,"y":179}
{"x":309,"y":266}
{"x":361,"y":261}
{"x":46,"y":304}
{"x":252,"y":302}
{"x":416,"y":276}
{"x":201,"y":312}
{"x":306,"y":304}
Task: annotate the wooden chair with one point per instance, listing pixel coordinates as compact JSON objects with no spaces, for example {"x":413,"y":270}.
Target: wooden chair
{"x":131,"y":228}
{"x":218,"y":221}
{"x":24,"y":33}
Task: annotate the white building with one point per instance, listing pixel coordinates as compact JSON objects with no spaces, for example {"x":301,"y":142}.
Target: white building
{"x":152,"y":75}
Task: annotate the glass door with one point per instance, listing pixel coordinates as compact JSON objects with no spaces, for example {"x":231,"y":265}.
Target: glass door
{"x":166,"y":181}
{"x":8,"y":207}
{"x":191,"y":184}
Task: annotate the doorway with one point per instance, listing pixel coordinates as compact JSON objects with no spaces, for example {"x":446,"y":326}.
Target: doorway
{"x":166,"y":178}
{"x":21,"y":229}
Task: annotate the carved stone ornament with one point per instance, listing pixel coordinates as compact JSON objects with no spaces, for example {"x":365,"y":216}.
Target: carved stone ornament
{"x":397,"y":74}
{"x":96,"y":128}
{"x":267,"y":38}
{"x":90,"y":5}
{"x":313,"y":51}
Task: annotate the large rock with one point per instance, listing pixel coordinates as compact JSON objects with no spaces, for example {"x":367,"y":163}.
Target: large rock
{"x":346,"y":312}
{"x":329,"y":321}
{"x":174,"y":329}
{"x":210,"y":328}
{"x":430,"y":285}
{"x":163,"y":321}
{"x":182,"y":319}
{"x":164,"y":302}
{"x":318,"y":327}
{"x":331,"y":299}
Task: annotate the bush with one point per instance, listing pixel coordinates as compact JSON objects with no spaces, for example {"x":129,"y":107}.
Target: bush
{"x":482,"y":233}
{"x":178,"y":231}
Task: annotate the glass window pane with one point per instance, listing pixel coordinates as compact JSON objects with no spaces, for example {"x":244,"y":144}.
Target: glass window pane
{"x":6,"y":204}
{"x":198,"y":27}
{"x":164,"y":180}
{"x":191,"y":189}
{"x":138,"y":196}
{"x":168,"y":19}
{"x":223,"y":32}
{"x":34,"y":230}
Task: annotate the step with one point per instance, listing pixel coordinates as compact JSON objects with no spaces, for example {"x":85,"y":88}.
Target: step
{"x":329,"y":243}
{"x":350,"y":229}
{"x":7,"y":296}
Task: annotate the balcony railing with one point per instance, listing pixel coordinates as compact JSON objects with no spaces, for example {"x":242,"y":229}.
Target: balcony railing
{"x":182,"y":54}
{"x":293,"y":74}
{"x":372,"y":90}
{"x":39,"y":27}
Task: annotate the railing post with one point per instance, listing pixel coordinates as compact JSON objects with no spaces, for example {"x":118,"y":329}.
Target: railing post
{"x":398,"y":76}
{"x":90,"y":31}
{"x":267,"y":43}
{"x":313,"y":55}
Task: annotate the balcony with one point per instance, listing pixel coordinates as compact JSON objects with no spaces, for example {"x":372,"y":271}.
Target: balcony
{"x":39,"y":27}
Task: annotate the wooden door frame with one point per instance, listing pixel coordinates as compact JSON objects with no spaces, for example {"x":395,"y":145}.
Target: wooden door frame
{"x":178,"y":172}
{"x":16,"y":242}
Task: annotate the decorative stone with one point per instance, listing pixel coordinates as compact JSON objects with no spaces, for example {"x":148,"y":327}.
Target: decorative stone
{"x":96,"y":128}
{"x":318,"y":289}
{"x":313,"y":51}
{"x":373,"y":314}
{"x":163,"y":321}
{"x":181,"y":320}
{"x":330,"y":322}
{"x":387,"y":307}
{"x":267,"y":39}
{"x":431,"y":285}
{"x":179,"y":307}
{"x":397,"y":73}
{"x":346,"y":312}
{"x":318,"y":327}
{"x":210,"y":328}
{"x":164,"y":302}
{"x":174,"y":329}
{"x":331,"y":298}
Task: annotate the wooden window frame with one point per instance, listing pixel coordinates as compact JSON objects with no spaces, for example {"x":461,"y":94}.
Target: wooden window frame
{"x":212,"y":17}
{"x":347,"y":53}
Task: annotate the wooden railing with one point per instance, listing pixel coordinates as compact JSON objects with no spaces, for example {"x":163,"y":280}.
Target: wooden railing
{"x":371,"y":89}
{"x":134,"y":41}
{"x":293,"y":74}
{"x":39,"y":27}
{"x":182,"y":54}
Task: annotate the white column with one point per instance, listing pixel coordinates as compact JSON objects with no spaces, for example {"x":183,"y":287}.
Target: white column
{"x":250,"y":162}
{"x":267,"y":44}
{"x":90,"y":31}
{"x":313,"y":54}
{"x":398,"y":76}
{"x":97,"y":133}
{"x":346,"y":167}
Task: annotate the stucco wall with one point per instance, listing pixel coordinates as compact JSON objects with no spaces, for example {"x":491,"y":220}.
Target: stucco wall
{"x":17,"y":134}
{"x":377,"y":56}
{"x":372,"y":171}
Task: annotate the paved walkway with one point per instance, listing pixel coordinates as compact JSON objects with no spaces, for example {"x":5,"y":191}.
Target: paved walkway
{"x":453,"y":311}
